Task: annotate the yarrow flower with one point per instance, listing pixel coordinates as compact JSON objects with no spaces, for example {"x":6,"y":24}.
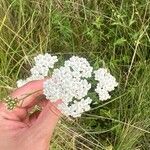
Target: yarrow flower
{"x":65,"y":89}
{"x":80,"y":66}
{"x":106,"y":83}
{"x":69,"y":83}
{"x":66,"y":84}
{"x":46,"y":60}
{"x":41,"y":68}
{"x":77,"y":108}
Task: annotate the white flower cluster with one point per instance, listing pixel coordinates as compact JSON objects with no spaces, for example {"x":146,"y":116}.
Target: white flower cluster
{"x":77,"y":108}
{"x":69,"y":83}
{"x":106,"y":83}
{"x":80,"y":67}
{"x":40,"y":70}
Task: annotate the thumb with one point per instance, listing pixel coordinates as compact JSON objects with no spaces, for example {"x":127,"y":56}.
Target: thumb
{"x":47,"y":120}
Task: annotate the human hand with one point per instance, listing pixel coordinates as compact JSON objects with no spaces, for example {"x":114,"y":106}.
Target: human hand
{"x":21,"y":131}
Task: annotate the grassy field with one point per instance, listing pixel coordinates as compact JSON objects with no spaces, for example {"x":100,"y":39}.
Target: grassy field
{"x":108,"y":33}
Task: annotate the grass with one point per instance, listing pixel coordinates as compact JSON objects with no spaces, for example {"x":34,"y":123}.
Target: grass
{"x":108,"y":33}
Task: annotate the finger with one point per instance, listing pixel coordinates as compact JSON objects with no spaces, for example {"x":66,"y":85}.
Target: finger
{"x":23,"y":113}
{"x":47,"y":120}
{"x":20,"y":113}
{"x":28,"y":93}
{"x":17,"y":113}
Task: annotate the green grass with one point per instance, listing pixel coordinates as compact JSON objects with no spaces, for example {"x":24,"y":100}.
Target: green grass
{"x":108,"y":33}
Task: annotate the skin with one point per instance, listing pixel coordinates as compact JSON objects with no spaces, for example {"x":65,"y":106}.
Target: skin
{"x":21,"y":131}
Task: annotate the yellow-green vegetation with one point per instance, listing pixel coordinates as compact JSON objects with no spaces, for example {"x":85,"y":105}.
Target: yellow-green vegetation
{"x":108,"y":33}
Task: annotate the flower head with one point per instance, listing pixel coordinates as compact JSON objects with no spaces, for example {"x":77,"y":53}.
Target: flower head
{"x":77,"y":108}
{"x":80,"y":66}
{"x":106,"y":83}
{"x":41,"y":68}
{"x":45,"y":60}
{"x":68,"y":83}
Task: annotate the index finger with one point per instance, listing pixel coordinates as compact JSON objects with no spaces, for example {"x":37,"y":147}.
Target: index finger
{"x":28,"y":93}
